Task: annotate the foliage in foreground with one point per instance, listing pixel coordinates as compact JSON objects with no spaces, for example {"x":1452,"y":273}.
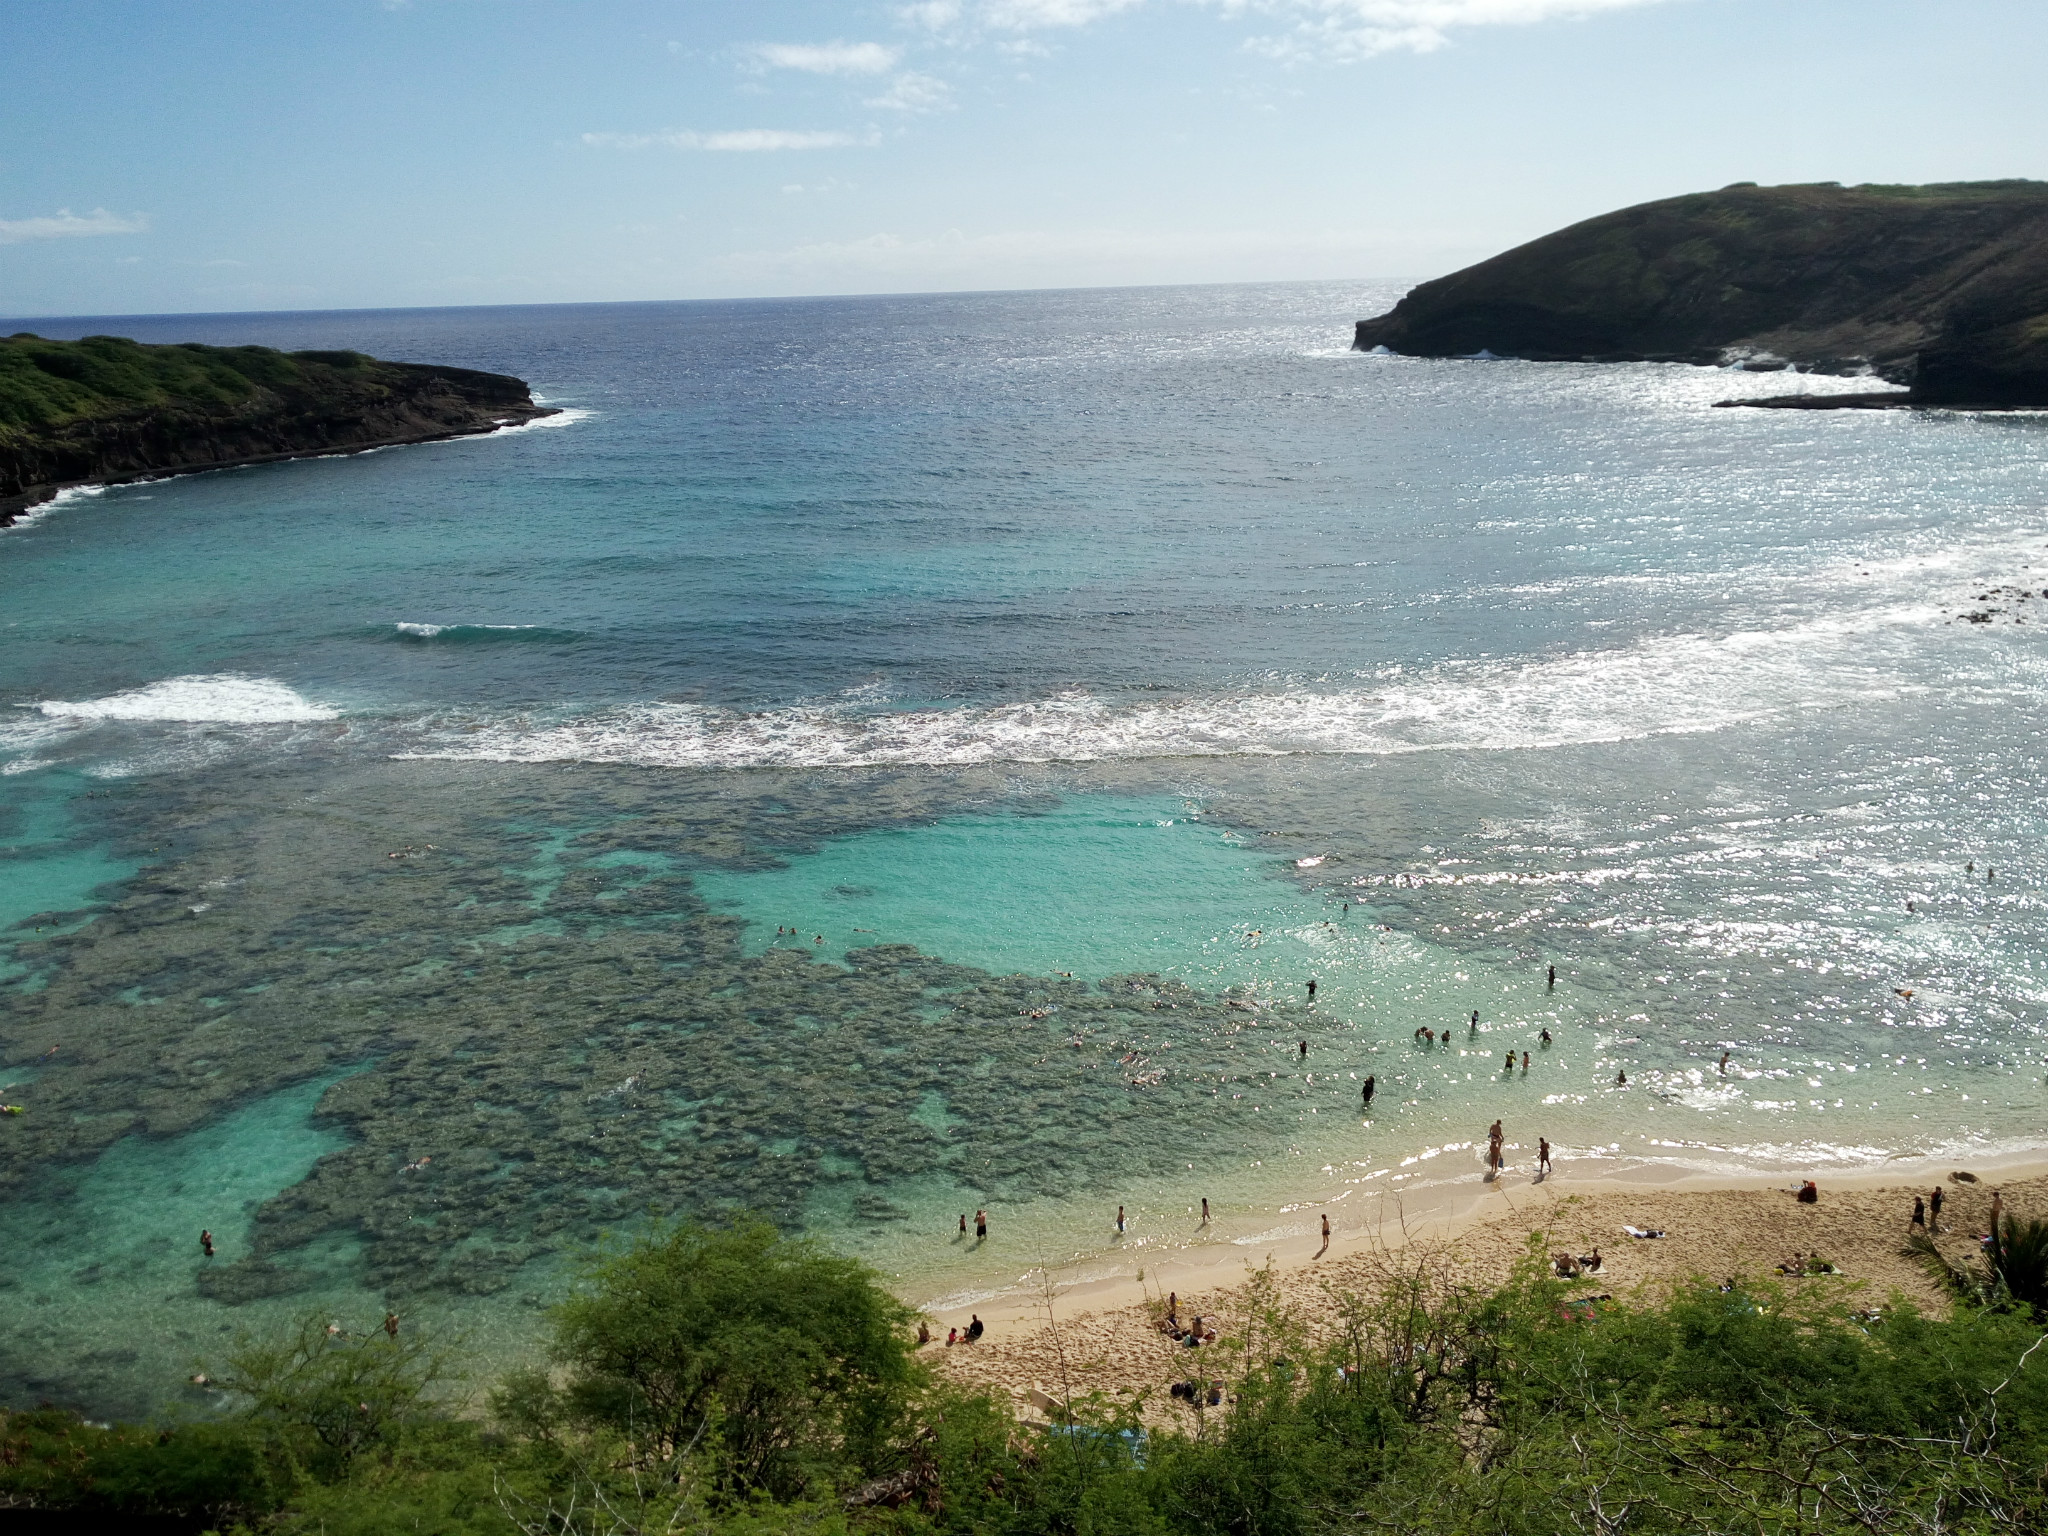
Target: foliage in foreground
{"x":728,"y":1380}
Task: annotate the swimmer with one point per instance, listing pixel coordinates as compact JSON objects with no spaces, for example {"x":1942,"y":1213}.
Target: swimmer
{"x":817,"y":938}
{"x":1724,"y":1062}
{"x":1366,"y":1091}
{"x":1544,"y":1038}
{"x":1621,"y":1078}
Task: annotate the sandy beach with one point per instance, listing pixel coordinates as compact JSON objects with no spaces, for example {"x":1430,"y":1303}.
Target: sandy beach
{"x":1072,"y":1339}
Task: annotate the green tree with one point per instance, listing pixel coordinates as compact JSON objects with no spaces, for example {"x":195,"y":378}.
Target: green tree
{"x":787,"y":1365}
{"x":334,"y":1393}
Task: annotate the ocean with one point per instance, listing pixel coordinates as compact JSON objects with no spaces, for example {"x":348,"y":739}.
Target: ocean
{"x":869,"y":760}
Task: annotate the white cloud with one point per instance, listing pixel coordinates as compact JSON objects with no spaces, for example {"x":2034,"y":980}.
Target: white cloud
{"x":834,"y":58}
{"x":1347,"y":30}
{"x":739,"y":140}
{"x":1323,"y":29}
{"x":64,"y":222}
{"x":1030,"y":15}
{"x":910,"y":92}
{"x":934,"y":14}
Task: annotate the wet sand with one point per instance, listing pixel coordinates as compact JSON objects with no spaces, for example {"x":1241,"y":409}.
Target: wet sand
{"x":1102,"y":1337}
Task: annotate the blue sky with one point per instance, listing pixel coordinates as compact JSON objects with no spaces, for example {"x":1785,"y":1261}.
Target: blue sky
{"x":162,"y":157}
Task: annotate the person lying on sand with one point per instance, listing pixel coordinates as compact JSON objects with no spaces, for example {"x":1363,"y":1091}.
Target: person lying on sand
{"x":1644,"y":1231}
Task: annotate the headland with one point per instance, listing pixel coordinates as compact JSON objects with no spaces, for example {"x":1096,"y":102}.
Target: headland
{"x":1940,"y":288}
{"x":105,"y":409}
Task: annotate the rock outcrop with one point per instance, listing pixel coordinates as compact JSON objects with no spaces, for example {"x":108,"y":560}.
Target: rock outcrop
{"x":106,"y":409}
{"x":1943,"y":288}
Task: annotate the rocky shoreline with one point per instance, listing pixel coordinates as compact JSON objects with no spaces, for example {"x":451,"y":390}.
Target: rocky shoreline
{"x":107,"y":411}
{"x":1941,"y":288}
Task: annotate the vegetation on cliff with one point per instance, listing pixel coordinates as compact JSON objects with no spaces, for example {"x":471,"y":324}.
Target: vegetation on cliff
{"x":1941,"y":287}
{"x":726,"y":1380}
{"x":108,"y":408}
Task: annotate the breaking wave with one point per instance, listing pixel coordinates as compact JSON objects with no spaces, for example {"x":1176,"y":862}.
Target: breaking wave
{"x":1679,"y":684}
{"x":221,"y":697}
{"x":477,"y":634}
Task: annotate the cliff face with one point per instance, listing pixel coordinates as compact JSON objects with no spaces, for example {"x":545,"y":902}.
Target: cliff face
{"x":107,"y":409}
{"x":1941,"y":287}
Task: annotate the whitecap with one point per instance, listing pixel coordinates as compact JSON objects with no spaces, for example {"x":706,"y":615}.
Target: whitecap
{"x":225,"y":697}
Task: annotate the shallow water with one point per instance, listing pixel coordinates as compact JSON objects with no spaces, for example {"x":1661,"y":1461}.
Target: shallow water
{"x":394,"y":846}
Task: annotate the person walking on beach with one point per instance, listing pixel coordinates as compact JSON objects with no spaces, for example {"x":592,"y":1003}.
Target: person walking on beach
{"x":1919,"y":1215}
{"x":1934,"y":1210}
{"x":1326,"y":1231}
{"x":981,"y":1226}
{"x":1542,"y":1156}
{"x":1366,"y":1091}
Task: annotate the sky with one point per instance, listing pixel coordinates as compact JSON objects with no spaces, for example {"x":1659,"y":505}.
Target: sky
{"x":219,"y":155}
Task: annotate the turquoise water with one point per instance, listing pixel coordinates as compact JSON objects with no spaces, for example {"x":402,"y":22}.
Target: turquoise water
{"x":104,"y":1266}
{"x":1068,"y":663}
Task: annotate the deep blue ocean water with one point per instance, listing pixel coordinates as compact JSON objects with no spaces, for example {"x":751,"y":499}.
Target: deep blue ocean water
{"x":1064,"y":636}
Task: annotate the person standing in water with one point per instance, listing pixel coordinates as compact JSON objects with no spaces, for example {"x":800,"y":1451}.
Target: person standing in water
{"x":1366,"y":1091}
{"x":981,"y":1226}
{"x":1724,"y":1062}
{"x":1553,"y":978}
{"x":1119,"y":1221}
{"x":1304,"y":1050}
{"x":391,"y":1324}
{"x":206,"y":1242}
{"x":1475,"y":1021}
{"x":1311,"y":989}
{"x":1542,"y":1155}
{"x":1205,"y":1210}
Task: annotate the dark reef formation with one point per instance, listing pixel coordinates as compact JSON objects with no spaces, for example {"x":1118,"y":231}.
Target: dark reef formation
{"x":105,"y":409}
{"x":1943,"y":288}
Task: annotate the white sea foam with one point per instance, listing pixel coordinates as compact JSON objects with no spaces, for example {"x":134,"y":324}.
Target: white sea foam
{"x":66,"y":497}
{"x":225,"y":697}
{"x":1677,"y":684}
{"x":566,"y":416}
